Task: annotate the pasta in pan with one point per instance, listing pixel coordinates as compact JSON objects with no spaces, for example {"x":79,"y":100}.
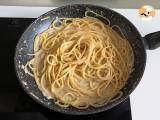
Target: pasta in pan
{"x":81,"y":62}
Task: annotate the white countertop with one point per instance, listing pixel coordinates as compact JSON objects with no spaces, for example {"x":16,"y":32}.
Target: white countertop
{"x":145,"y":100}
{"x":108,"y":3}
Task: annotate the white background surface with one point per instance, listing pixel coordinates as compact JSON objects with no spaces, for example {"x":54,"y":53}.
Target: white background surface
{"x":107,"y":3}
{"x":145,"y":100}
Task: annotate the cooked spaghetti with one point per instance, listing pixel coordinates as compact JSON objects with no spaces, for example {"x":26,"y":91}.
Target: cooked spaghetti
{"x":81,"y":62}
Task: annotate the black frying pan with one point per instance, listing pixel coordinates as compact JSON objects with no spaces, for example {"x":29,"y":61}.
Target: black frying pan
{"x":138,"y":43}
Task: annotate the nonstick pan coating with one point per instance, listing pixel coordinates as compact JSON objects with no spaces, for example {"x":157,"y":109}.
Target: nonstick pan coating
{"x":25,"y":46}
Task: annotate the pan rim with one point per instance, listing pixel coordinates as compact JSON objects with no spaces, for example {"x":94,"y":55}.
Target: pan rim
{"x":96,"y":110}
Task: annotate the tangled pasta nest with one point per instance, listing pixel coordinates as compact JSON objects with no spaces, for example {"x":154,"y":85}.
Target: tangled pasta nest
{"x":82,"y":62}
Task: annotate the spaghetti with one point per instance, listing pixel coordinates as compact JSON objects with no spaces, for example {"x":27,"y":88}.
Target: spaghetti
{"x":82,"y":62}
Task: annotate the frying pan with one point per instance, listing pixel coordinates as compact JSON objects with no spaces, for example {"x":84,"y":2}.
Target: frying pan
{"x":138,"y":43}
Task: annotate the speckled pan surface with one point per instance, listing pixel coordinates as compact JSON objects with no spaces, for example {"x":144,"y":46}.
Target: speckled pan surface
{"x":25,"y":46}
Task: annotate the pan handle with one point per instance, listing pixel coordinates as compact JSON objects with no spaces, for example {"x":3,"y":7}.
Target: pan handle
{"x":152,"y":40}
